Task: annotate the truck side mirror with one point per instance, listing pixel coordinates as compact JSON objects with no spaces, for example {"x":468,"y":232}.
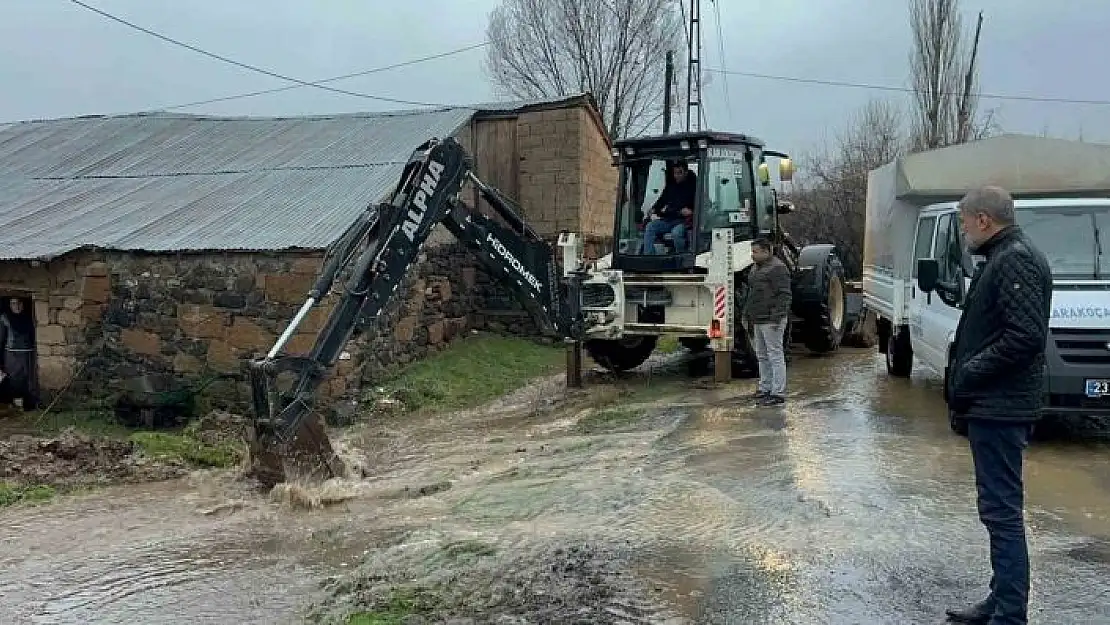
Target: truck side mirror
{"x":928,"y":274}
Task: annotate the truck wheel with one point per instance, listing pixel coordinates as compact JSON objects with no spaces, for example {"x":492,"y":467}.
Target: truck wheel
{"x":899,"y":354}
{"x":821,"y":298}
{"x":621,"y":354}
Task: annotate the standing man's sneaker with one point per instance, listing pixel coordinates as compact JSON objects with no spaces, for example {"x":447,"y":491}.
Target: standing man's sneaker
{"x":758,"y":395}
{"x":772,"y":400}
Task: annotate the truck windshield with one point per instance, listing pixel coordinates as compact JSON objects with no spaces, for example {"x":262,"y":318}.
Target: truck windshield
{"x":1072,"y":238}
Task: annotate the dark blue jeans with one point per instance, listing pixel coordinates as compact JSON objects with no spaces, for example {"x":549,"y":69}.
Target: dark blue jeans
{"x":997,"y":450}
{"x":659,"y":227}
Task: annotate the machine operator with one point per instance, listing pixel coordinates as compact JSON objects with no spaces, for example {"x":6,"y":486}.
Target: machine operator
{"x":674,"y":209}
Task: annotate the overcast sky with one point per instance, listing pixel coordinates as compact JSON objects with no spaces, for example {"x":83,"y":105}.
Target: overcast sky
{"x":58,"y":59}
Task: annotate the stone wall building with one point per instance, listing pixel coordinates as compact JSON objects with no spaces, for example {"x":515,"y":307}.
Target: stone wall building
{"x":163,"y":251}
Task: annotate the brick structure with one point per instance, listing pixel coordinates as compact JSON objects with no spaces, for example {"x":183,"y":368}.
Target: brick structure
{"x":111,"y":320}
{"x":555,"y":161}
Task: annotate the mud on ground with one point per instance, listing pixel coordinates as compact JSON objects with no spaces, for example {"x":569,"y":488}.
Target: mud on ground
{"x":438,"y":578}
{"x":73,"y":458}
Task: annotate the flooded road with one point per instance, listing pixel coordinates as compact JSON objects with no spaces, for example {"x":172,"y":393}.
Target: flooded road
{"x":852,"y":504}
{"x":855,"y":504}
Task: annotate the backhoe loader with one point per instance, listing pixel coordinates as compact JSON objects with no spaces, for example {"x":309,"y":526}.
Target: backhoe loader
{"x":615,"y":307}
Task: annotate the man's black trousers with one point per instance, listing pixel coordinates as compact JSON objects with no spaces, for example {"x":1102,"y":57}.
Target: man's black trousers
{"x":997,"y":450}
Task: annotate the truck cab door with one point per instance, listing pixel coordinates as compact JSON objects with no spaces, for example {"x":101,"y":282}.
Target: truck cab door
{"x":940,"y":318}
{"x":919,"y":302}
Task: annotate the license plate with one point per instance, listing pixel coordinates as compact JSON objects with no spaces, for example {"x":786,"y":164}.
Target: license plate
{"x":1098,"y":388}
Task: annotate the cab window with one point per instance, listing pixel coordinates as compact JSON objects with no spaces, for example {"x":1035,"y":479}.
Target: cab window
{"x":726,"y":202}
{"x":923,"y":247}
{"x":947,"y":250}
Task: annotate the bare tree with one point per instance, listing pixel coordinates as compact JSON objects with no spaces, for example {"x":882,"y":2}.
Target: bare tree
{"x":614,"y":49}
{"x":945,"y":77}
{"x":832,"y":197}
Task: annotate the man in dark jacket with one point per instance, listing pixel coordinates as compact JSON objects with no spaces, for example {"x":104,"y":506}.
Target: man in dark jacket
{"x":995,"y":386}
{"x":768,"y":309}
{"x":17,"y":355}
{"x":672,"y":211}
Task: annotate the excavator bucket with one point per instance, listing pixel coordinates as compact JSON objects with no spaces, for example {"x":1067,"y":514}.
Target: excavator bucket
{"x":288,"y":441}
{"x":307,"y":456}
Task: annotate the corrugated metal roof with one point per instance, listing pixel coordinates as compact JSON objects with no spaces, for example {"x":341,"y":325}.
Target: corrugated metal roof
{"x":172,"y":182}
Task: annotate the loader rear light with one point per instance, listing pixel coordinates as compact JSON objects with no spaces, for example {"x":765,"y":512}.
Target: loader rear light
{"x":715,"y":329}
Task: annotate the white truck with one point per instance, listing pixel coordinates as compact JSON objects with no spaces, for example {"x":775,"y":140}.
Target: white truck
{"x":1062,"y":199}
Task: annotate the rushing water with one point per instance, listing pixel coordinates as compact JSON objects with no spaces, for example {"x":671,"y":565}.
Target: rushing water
{"x":851,"y":504}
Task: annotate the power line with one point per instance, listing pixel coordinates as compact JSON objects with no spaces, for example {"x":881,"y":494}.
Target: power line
{"x":721,"y":47}
{"x":253,"y":68}
{"x":375,"y":70}
{"x":319,"y":83}
{"x":874,"y":87}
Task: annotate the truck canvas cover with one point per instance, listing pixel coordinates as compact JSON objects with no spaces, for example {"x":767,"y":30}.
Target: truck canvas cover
{"x":1027,"y":166}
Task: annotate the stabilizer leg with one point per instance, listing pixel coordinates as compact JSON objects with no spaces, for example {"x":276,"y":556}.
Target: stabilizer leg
{"x":574,"y":364}
{"x":722,"y":366}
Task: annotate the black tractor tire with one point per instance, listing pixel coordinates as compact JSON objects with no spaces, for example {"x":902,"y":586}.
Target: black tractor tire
{"x":744,"y":366}
{"x":899,"y":354}
{"x":820,"y":298}
{"x":695,"y":345}
{"x":619,"y":355}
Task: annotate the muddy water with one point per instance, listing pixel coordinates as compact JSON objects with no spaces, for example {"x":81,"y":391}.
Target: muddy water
{"x":166,"y":553}
{"x":851,"y":504}
{"x":854,"y":504}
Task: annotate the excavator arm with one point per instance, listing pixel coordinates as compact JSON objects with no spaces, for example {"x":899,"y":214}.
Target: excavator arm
{"x":288,"y":436}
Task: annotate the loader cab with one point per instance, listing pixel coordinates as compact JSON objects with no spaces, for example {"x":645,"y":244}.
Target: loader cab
{"x":732,"y":190}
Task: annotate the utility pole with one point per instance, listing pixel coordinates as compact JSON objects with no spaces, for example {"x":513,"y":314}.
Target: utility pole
{"x":693,"y":68}
{"x":668,"y":86}
{"x":963,"y":117}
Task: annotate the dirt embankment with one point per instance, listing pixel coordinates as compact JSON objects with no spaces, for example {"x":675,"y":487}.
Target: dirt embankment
{"x":75,"y":457}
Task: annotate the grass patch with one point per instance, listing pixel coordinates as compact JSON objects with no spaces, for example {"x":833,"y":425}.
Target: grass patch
{"x":89,"y":422}
{"x":11,"y":494}
{"x":172,"y":446}
{"x":667,"y":344}
{"x":608,"y":419}
{"x":473,"y":371}
{"x":400,"y":605}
